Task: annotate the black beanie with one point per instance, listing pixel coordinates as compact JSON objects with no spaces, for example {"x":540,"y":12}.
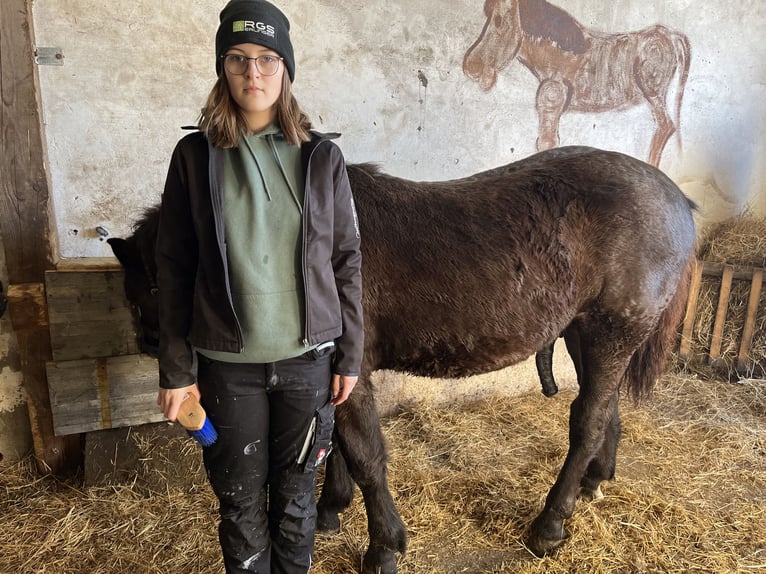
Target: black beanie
{"x":256,"y":22}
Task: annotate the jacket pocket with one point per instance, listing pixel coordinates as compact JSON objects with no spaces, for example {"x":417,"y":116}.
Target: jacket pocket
{"x":319,"y":439}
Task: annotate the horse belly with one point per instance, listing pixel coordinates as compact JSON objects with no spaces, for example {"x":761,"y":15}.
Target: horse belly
{"x":455,"y":358}
{"x":461,"y":341}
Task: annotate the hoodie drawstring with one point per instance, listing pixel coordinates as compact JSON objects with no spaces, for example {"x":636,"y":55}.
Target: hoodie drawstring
{"x":258,"y":165}
{"x":275,"y":152}
{"x":273,"y":146}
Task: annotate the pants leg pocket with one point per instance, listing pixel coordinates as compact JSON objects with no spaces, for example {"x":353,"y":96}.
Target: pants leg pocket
{"x":318,"y":442}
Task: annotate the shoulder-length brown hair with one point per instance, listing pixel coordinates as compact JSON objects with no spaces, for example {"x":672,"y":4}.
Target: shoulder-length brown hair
{"x":223,"y":121}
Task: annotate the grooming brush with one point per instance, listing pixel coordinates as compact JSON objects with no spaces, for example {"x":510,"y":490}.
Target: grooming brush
{"x":192,"y":417}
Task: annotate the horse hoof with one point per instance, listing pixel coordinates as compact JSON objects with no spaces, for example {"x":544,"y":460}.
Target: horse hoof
{"x":591,"y":495}
{"x":545,"y":537}
{"x":328,"y":522}
{"x":379,"y":561}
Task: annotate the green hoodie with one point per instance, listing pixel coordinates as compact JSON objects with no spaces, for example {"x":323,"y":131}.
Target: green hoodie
{"x":262,"y":202}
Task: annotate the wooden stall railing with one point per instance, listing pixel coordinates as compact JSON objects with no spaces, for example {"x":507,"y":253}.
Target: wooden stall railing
{"x":727,"y":274}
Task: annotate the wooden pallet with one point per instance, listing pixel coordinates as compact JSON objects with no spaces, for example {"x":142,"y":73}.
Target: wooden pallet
{"x":728,"y":274}
{"x":98,"y":379}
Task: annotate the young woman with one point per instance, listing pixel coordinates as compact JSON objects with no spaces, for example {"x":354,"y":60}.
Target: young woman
{"x":260,"y":289}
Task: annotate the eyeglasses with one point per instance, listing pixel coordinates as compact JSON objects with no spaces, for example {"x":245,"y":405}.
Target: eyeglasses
{"x":237,"y":64}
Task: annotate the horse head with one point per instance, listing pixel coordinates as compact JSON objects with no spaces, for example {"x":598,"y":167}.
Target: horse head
{"x":497,"y":45}
{"x":136,"y":255}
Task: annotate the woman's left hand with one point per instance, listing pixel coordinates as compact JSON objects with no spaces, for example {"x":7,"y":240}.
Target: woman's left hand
{"x":342,"y":385}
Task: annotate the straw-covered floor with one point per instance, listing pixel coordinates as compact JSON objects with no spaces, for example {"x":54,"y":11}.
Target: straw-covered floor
{"x":690,"y":495}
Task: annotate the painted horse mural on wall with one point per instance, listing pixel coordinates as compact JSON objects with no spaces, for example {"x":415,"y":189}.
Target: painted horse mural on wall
{"x":582,"y":70}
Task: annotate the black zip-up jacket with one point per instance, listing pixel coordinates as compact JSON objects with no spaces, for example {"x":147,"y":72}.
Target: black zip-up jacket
{"x":195,"y":300}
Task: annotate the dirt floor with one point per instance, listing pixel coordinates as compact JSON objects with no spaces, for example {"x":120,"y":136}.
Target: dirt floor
{"x":690,"y":496}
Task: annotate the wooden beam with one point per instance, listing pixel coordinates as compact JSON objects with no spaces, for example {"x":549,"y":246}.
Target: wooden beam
{"x":691,"y":312}
{"x":26,"y":305}
{"x":25,"y":226}
{"x":720,"y":314}
{"x":24,"y":200}
{"x":750,"y":316}
{"x":739,"y":272}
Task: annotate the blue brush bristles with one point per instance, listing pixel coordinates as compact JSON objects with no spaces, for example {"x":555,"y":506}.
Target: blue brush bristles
{"x":207,"y":435}
{"x":193,"y":418}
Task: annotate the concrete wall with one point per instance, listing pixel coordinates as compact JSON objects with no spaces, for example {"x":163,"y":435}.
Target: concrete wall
{"x":390,"y":78}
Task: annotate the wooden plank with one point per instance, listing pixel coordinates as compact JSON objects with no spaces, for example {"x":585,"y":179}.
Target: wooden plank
{"x":691,"y":312}
{"x":88,"y":264}
{"x":104,"y":393}
{"x":89,"y":315}
{"x":25,"y":224}
{"x":750,"y":315}
{"x":740,"y":272}
{"x":26,"y":306}
{"x":720,"y":314}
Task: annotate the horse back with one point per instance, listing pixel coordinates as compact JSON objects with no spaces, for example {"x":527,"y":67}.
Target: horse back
{"x":470,"y":275}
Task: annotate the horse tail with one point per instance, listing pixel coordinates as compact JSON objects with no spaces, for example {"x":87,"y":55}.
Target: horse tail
{"x":683,"y":54}
{"x":651,"y":359}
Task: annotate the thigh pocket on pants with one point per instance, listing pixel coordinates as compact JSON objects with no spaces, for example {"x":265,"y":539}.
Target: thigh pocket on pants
{"x":318,"y":442}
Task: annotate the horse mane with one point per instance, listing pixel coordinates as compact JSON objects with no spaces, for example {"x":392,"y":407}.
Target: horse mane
{"x":368,"y":168}
{"x":148,"y":221}
{"x":543,"y":20}
{"x":145,"y":233}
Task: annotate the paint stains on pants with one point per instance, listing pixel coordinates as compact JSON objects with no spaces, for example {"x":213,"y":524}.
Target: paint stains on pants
{"x":271,"y":419}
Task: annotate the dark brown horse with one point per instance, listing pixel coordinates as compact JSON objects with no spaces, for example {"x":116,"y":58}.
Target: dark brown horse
{"x":472,"y":275}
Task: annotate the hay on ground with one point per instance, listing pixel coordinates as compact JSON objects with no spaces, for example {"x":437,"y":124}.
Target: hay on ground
{"x":690,"y":495}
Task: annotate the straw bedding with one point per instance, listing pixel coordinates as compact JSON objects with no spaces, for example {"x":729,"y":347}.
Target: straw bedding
{"x":690,"y":495}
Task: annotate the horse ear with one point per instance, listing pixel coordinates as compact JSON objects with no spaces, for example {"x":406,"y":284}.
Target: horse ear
{"x":120,"y":249}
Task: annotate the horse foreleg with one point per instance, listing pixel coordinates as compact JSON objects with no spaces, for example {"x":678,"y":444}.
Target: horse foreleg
{"x":361,"y":443}
{"x":337,"y":492}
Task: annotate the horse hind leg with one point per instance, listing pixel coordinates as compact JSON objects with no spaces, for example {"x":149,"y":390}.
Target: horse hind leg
{"x":591,"y":414}
{"x":361,"y":443}
{"x":603,"y":465}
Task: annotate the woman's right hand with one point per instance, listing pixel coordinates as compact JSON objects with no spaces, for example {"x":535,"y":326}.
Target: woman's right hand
{"x":169,"y":400}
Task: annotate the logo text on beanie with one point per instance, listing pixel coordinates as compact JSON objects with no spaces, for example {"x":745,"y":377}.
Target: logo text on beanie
{"x":251,"y":26}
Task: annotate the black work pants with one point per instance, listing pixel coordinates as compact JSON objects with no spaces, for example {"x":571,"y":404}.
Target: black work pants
{"x":274,"y":423}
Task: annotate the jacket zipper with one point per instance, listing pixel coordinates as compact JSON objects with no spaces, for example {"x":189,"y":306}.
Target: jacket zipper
{"x":304,"y":263}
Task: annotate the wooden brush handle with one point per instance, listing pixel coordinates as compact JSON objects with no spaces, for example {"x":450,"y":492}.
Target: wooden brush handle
{"x":191,"y":414}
